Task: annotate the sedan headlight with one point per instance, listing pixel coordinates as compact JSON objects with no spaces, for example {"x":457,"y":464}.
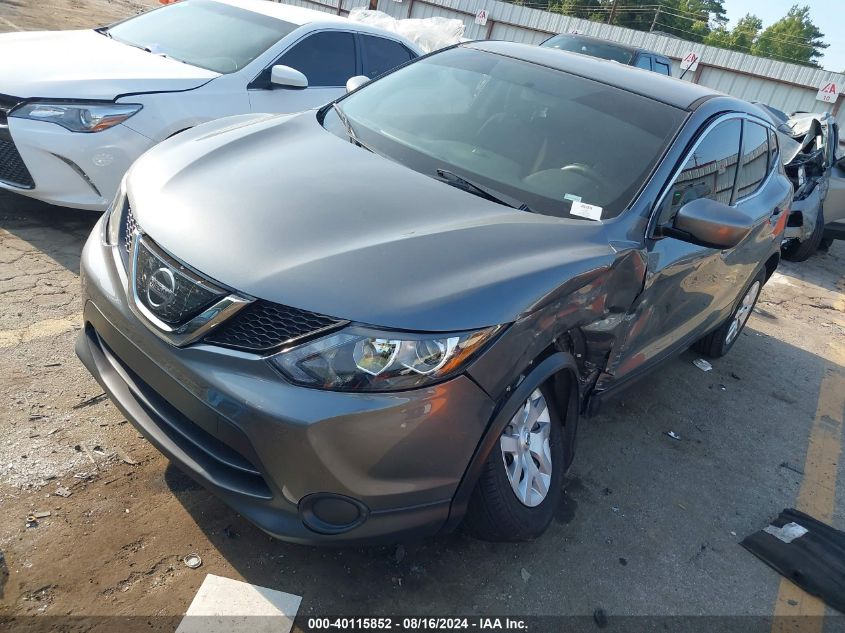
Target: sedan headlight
{"x":361,"y":359}
{"x":78,"y":117}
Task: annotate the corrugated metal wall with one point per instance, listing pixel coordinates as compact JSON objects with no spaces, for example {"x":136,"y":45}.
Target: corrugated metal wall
{"x":788,"y":87}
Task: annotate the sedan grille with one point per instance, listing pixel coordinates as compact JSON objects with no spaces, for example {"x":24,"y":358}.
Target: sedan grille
{"x":167,"y":289}
{"x":263,"y":326}
{"x":12,"y":168}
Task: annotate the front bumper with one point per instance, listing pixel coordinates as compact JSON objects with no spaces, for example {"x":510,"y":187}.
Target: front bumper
{"x":304,"y":465}
{"x":72,"y":169}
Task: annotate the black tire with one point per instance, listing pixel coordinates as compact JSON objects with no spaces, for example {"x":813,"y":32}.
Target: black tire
{"x":495,"y":513}
{"x":716,"y":344}
{"x":795,"y":251}
{"x":825,"y":244}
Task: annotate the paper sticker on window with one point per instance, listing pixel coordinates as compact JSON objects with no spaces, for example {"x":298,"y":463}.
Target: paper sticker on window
{"x":572,"y":197}
{"x":584,"y":210}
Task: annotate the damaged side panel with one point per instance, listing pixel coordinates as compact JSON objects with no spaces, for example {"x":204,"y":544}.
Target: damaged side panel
{"x":583,"y":317}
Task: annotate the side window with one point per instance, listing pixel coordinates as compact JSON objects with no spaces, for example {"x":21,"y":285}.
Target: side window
{"x":381,"y":55}
{"x":755,"y":159}
{"x":662,"y":68}
{"x":327,"y":59}
{"x":773,"y":148}
{"x":644,"y":61}
{"x":710,"y":171}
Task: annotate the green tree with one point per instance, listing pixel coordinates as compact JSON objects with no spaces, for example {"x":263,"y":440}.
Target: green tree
{"x":793,"y":38}
{"x":740,"y":38}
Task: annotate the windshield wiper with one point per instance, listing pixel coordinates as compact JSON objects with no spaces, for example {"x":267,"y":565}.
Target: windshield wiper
{"x":104,"y":30}
{"x":451,"y":178}
{"x":350,"y":131}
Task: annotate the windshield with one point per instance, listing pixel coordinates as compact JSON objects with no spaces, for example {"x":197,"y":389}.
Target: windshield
{"x":203,"y":33}
{"x":590,"y":47}
{"x":540,"y":136}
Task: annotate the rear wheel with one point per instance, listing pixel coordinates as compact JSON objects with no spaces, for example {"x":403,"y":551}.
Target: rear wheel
{"x":718,"y":343}
{"x":825,"y":244}
{"x":521,"y":484}
{"x":796,"y":251}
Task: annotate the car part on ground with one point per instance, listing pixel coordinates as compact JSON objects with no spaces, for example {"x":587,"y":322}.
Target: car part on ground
{"x":78,"y":107}
{"x":389,"y":349}
{"x":815,"y":167}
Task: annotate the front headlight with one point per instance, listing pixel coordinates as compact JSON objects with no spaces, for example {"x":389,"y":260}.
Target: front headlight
{"x":78,"y":117}
{"x":361,"y":359}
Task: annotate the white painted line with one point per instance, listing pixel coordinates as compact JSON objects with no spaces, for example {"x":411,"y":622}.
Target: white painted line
{"x":223,"y":605}
{"x":11,"y":25}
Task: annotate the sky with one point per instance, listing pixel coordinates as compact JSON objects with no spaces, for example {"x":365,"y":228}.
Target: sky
{"x":827,"y":15}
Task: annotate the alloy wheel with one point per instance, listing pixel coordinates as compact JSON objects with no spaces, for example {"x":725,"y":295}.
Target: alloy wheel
{"x":742,"y":312}
{"x":526,"y":450}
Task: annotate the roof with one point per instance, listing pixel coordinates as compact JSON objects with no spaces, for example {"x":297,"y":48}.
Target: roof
{"x":681,"y":94}
{"x":286,"y":12}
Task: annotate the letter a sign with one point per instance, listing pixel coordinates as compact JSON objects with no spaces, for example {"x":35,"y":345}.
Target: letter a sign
{"x":690,"y":61}
{"x":828,"y":92}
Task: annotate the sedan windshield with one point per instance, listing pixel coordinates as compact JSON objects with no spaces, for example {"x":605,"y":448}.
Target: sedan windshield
{"x":542,"y":137}
{"x":203,"y":33}
{"x":590,"y":47}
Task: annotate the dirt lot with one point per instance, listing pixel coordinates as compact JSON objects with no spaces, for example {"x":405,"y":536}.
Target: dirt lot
{"x":650,"y":525}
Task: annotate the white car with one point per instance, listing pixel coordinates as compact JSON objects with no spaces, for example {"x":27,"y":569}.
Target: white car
{"x":78,"y":107}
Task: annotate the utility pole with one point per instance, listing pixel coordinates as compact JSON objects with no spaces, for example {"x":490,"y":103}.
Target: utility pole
{"x":654,"y":21}
{"x":612,"y":11}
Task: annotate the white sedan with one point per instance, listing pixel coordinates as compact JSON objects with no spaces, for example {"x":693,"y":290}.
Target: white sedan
{"x":78,"y":107}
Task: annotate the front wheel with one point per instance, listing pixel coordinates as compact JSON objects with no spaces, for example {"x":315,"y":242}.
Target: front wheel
{"x":521,"y":484}
{"x":718,"y":343}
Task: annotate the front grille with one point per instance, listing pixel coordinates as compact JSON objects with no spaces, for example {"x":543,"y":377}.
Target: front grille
{"x":170,"y":291}
{"x":263,"y":326}
{"x":128,"y":229}
{"x":12,"y":168}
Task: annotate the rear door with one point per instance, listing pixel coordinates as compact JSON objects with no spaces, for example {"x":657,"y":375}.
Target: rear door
{"x":327,"y":58}
{"x":380,"y":54}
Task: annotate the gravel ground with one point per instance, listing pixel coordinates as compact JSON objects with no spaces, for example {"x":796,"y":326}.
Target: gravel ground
{"x":649,"y":524}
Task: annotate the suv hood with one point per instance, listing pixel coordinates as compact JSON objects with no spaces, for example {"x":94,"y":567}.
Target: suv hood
{"x":279,"y":208}
{"x":87,"y":65}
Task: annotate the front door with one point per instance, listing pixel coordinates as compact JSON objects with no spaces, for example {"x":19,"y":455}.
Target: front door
{"x":327,"y":58}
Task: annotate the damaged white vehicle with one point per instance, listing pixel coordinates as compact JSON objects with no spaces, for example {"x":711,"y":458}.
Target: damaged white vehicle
{"x":817,"y":170}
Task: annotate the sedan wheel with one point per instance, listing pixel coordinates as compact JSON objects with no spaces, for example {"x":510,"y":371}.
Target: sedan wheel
{"x":526,"y":451}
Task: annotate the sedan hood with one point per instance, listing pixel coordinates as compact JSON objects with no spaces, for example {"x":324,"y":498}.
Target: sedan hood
{"x":279,"y":208}
{"x":87,"y":65}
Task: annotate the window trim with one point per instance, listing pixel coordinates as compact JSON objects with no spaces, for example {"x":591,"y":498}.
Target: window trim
{"x":667,"y":186}
{"x":255,"y":83}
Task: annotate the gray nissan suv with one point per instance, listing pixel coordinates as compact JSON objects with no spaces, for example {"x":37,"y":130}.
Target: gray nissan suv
{"x":383,"y":318}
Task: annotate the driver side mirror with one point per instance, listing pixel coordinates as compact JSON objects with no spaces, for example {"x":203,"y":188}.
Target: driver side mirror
{"x":710,"y":223}
{"x":287,"y":77}
{"x":356,"y":82}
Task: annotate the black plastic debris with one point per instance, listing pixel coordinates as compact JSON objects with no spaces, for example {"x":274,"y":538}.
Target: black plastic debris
{"x":806,"y":551}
